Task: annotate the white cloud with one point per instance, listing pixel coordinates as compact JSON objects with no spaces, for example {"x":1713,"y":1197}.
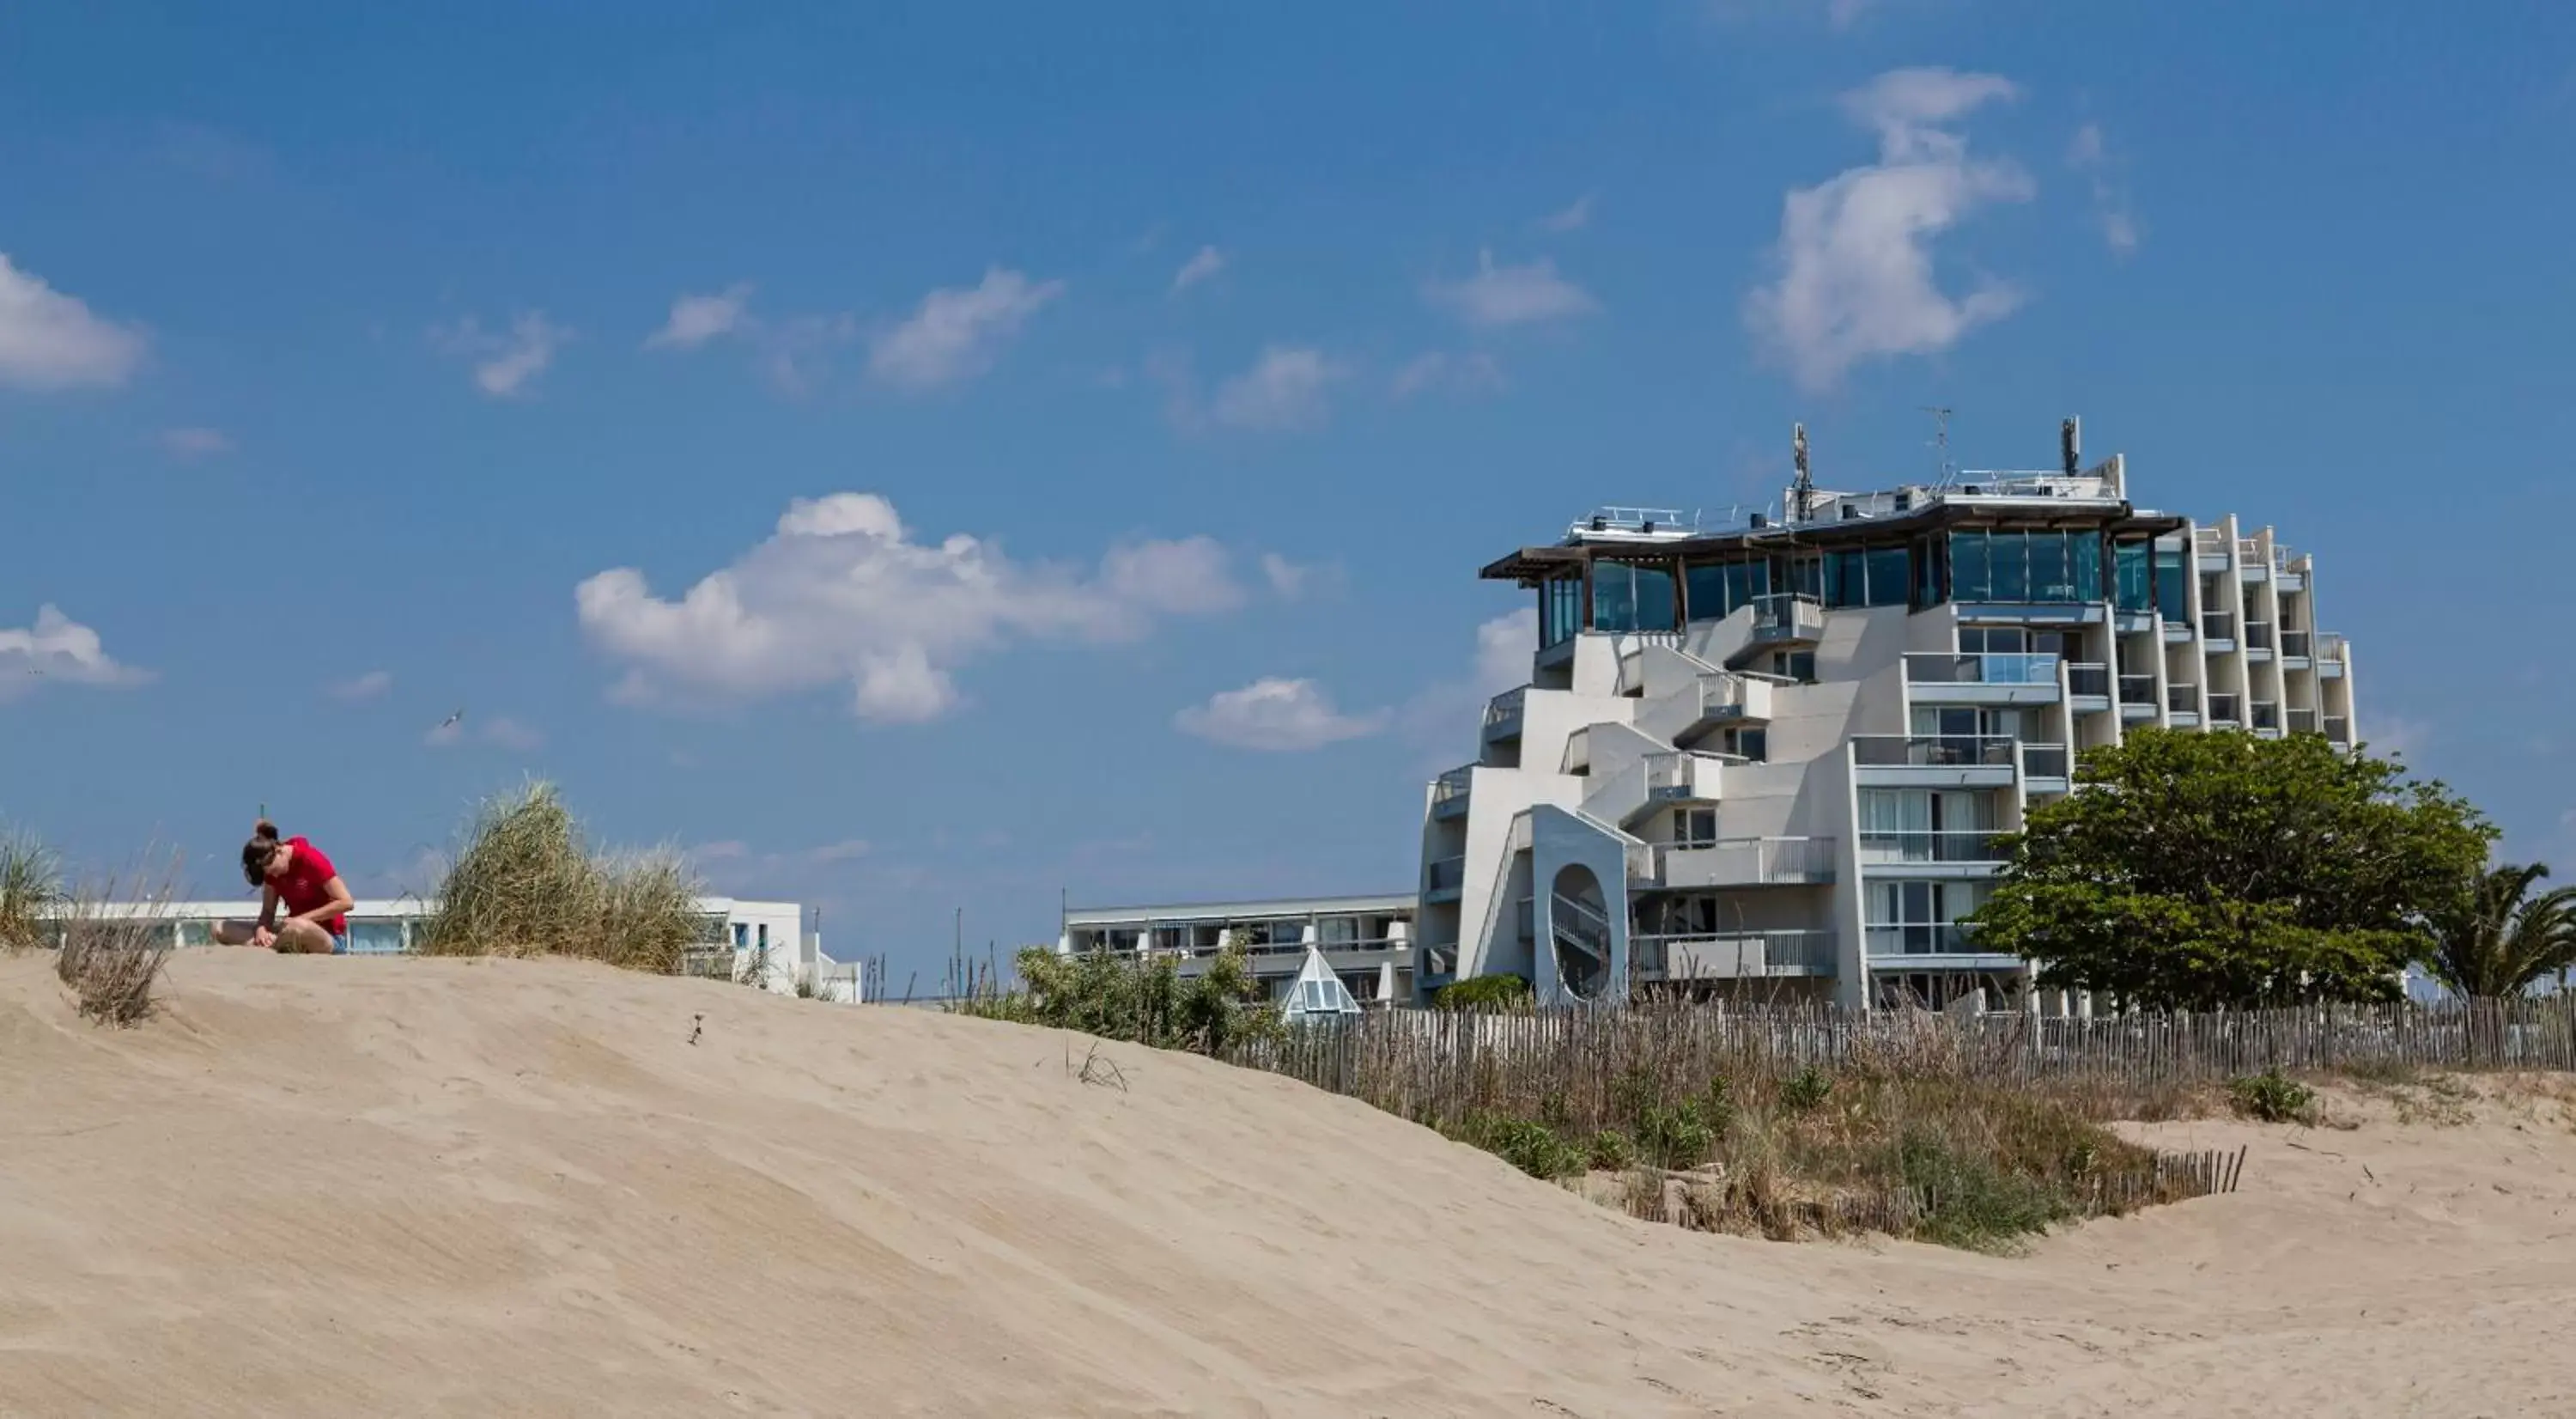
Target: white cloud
{"x":1498,"y":296}
{"x":49,"y":340}
{"x":195,"y":442}
{"x":1503,"y":649}
{"x":1473,"y":373}
{"x":58,"y":650}
{"x":846,"y":850}
{"x":725,"y":850}
{"x":1855,"y":275}
{"x":371,"y":686}
{"x":1285,"y":388}
{"x":504,"y":365}
{"x":1445,"y":714}
{"x":2088,"y":154}
{"x":1276,"y":715}
{"x":2403,"y":736}
{"x":842,"y":594}
{"x":1200,"y":267}
{"x":1843,"y":14}
{"x":695,"y":320}
{"x":957,"y":333}
{"x":1574,"y":217}
{"x":1287,"y":578}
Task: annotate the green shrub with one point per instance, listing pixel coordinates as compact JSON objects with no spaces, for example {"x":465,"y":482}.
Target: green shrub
{"x":1532,"y":1147}
{"x":1967,"y":1201}
{"x":1484,"y":993}
{"x":31,"y":889}
{"x":1806,"y":1090}
{"x":2272,"y":1097}
{"x":1141,"y":1000}
{"x":1612,"y":1152}
{"x":1675,"y":1135}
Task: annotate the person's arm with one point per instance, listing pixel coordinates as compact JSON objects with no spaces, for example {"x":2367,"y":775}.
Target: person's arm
{"x":263,"y":934}
{"x":339,"y":903}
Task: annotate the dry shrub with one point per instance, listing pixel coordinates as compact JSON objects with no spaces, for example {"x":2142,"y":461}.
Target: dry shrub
{"x":110,"y":962}
{"x":525,"y":883}
{"x":31,"y":891}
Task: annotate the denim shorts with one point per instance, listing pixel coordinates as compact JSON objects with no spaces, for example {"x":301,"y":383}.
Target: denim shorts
{"x":339,"y":943}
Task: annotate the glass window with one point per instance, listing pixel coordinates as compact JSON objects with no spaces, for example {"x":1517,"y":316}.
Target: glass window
{"x":1614,"y":597}
{"x":1927,"y":573}
{"x":2051,"y":579}
{"x":1746,"y":581}
{"x":2008,"y":558}
{"x":1971,"y":577}
{"x":1800,"y":576}
{"x":1656,"y":609}
{"x":2129,"y":563}
{"x":1704,"y":586}
{"x":1846,"y":579}
{"x":1889,"y":570}
{"x":2173,"y":594}
{"x":2087,"y":550}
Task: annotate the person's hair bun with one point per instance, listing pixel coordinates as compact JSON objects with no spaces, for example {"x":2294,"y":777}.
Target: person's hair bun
{"x":264,"y":829}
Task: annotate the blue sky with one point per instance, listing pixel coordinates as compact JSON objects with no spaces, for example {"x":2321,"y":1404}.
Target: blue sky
{"x":358,"y":367}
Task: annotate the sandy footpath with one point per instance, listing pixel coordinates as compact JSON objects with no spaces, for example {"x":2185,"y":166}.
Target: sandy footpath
{"x":321,"y":1186}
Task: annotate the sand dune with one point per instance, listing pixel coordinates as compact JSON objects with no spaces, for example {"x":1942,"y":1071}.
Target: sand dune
{"x":341,"y":1187}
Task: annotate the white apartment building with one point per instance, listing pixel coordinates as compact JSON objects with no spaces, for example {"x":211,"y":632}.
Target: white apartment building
{"x":769,"y":936}
{"x":1367,"y":941}
{"x":1772,"y":758}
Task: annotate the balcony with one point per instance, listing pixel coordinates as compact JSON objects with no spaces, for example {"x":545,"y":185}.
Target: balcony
{"x":1449,"y":791}
{"x":1787,"y":617}
{"x":1930,"y":945}
{"x":1934,"y":760}
{"x":1938,"y":677}
{"x":2223,"y":711}
{"x":2294,"y":645}
{"x":2138,"y":697}
{"x":2209,"y":544}
{"x":2338,"y":729}
{"x":1743,"y":862}
{"x":2303,"y":721}
{"x":2177,"y":632}
{"x":1684,"y":777}
{"x":1443,"y":878}
{"x":2250,"y":560}
{"x":1733,"y":955}
{"x":2045,"y":765}
{"x":1729,"y":698}
{"x":2332,"y":655}
{"x":2258,"y":639}
{"x":2182,"y":699}
{"x":2088,"y":685}
{"x":1933,"y":852}
{"x":2219,"y":629}
{"x":2267,"y":717}
{"x":1503,"y":714}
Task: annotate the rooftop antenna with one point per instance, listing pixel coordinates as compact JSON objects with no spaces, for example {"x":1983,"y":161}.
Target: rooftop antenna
{"x":1940,"y":437}
{"x":1799,"y":491}
{"x":2070,"y":443}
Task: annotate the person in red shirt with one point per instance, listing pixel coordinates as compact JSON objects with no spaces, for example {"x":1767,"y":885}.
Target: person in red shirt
{"x":294,"y":872}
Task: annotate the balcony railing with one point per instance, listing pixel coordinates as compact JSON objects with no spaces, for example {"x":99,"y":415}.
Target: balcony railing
{"x":2302,"y":721}
{"x":2217,"y":626}
{"x":1503,"y":712}
{"x":1722,"y":955}
{"x":2138,"y":690}
{"x":2330,"y":645}
{"x":2294,"y":644}
{"x":1788,"y":615}
{"x":2222,"y":708}
{"x":1685,"y":773}
{"x":2258,"y":635}
{"x":2044,"y":761}
{"x":2088,"y":678}
{"x":1941,"y":668}
{"x":2249,"y":550}
{"x":1444,"y":874}
{"x":1449,"y":791}
{"x":1918,"y":939}
{"x":2182,"y":699}
{"x":2339,"y":728}
{"x":1933,"y":751}
{"x":2210,"y":539}
{"x":1933,"y":845}
{"x":2267,"y":714}
{"x":1744,"y":862}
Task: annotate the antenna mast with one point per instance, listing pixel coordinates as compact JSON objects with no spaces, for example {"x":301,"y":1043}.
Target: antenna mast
{"x":1800,"y":491}
{"x":1940,"y":438}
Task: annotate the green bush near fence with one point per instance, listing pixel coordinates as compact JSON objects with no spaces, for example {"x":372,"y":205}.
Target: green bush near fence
{"x":1145,"y":1001}
{"x":2273,"y":1098}
{"x":1483,"y":993}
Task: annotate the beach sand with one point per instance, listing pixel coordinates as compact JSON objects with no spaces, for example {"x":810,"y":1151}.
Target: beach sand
{"x":316,"y":1186}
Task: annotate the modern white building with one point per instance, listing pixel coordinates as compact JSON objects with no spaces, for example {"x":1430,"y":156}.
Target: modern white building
{"x":1366,"y":941}
{"x":764,"y":937}
{"x":1771,"y":758}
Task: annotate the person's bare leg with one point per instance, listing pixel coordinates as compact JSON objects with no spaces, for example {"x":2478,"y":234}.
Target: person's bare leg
{"x":234,"y":933}
{"x":302,"y":938}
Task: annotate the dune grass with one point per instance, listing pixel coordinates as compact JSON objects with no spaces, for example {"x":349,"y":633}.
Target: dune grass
{"x":525,"y":882}
{"x":31,"y":888}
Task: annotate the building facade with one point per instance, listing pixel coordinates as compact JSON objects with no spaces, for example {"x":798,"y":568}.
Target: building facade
{"x":1773,"y":758}
{"x":764,"y":938}
{"x":1366,"y":941}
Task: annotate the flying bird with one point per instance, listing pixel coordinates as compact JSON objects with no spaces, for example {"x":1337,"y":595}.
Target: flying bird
{"x":452,"y":720}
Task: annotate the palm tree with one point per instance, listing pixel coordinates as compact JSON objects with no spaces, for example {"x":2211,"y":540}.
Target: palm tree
{"x":2495,"y":939}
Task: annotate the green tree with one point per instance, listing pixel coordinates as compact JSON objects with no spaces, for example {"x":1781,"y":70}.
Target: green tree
{"x":2494,"y":938}
{"x":2192,"y":871}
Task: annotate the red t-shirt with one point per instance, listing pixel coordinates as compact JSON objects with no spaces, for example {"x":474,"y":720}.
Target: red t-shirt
{"x":304,"y":884}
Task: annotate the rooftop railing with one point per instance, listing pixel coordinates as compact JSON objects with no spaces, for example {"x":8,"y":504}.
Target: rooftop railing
{"x":1933,"y":750}
{"x":1943,"y":668}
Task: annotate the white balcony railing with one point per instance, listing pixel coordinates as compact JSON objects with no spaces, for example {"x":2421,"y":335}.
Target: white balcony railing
{"x":1744,"y":862}
{"x":1503,"y":713}
{"x":2045,"y":761}
{"x":1449,"y":791}
{"x":1933,"y":751}
{"x":1933,"y":845}
{"x":1730,"y":955}
{"x":2182,"y":699}
{"x":1685,"y":773}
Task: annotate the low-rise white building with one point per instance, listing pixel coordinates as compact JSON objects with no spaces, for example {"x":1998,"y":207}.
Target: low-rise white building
{"x":767,"y":938}
{"x":1367,"y":941}
{"x":1772,"y":757}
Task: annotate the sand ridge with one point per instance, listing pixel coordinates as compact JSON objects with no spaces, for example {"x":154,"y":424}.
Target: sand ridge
{"x":430,"y":1187}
